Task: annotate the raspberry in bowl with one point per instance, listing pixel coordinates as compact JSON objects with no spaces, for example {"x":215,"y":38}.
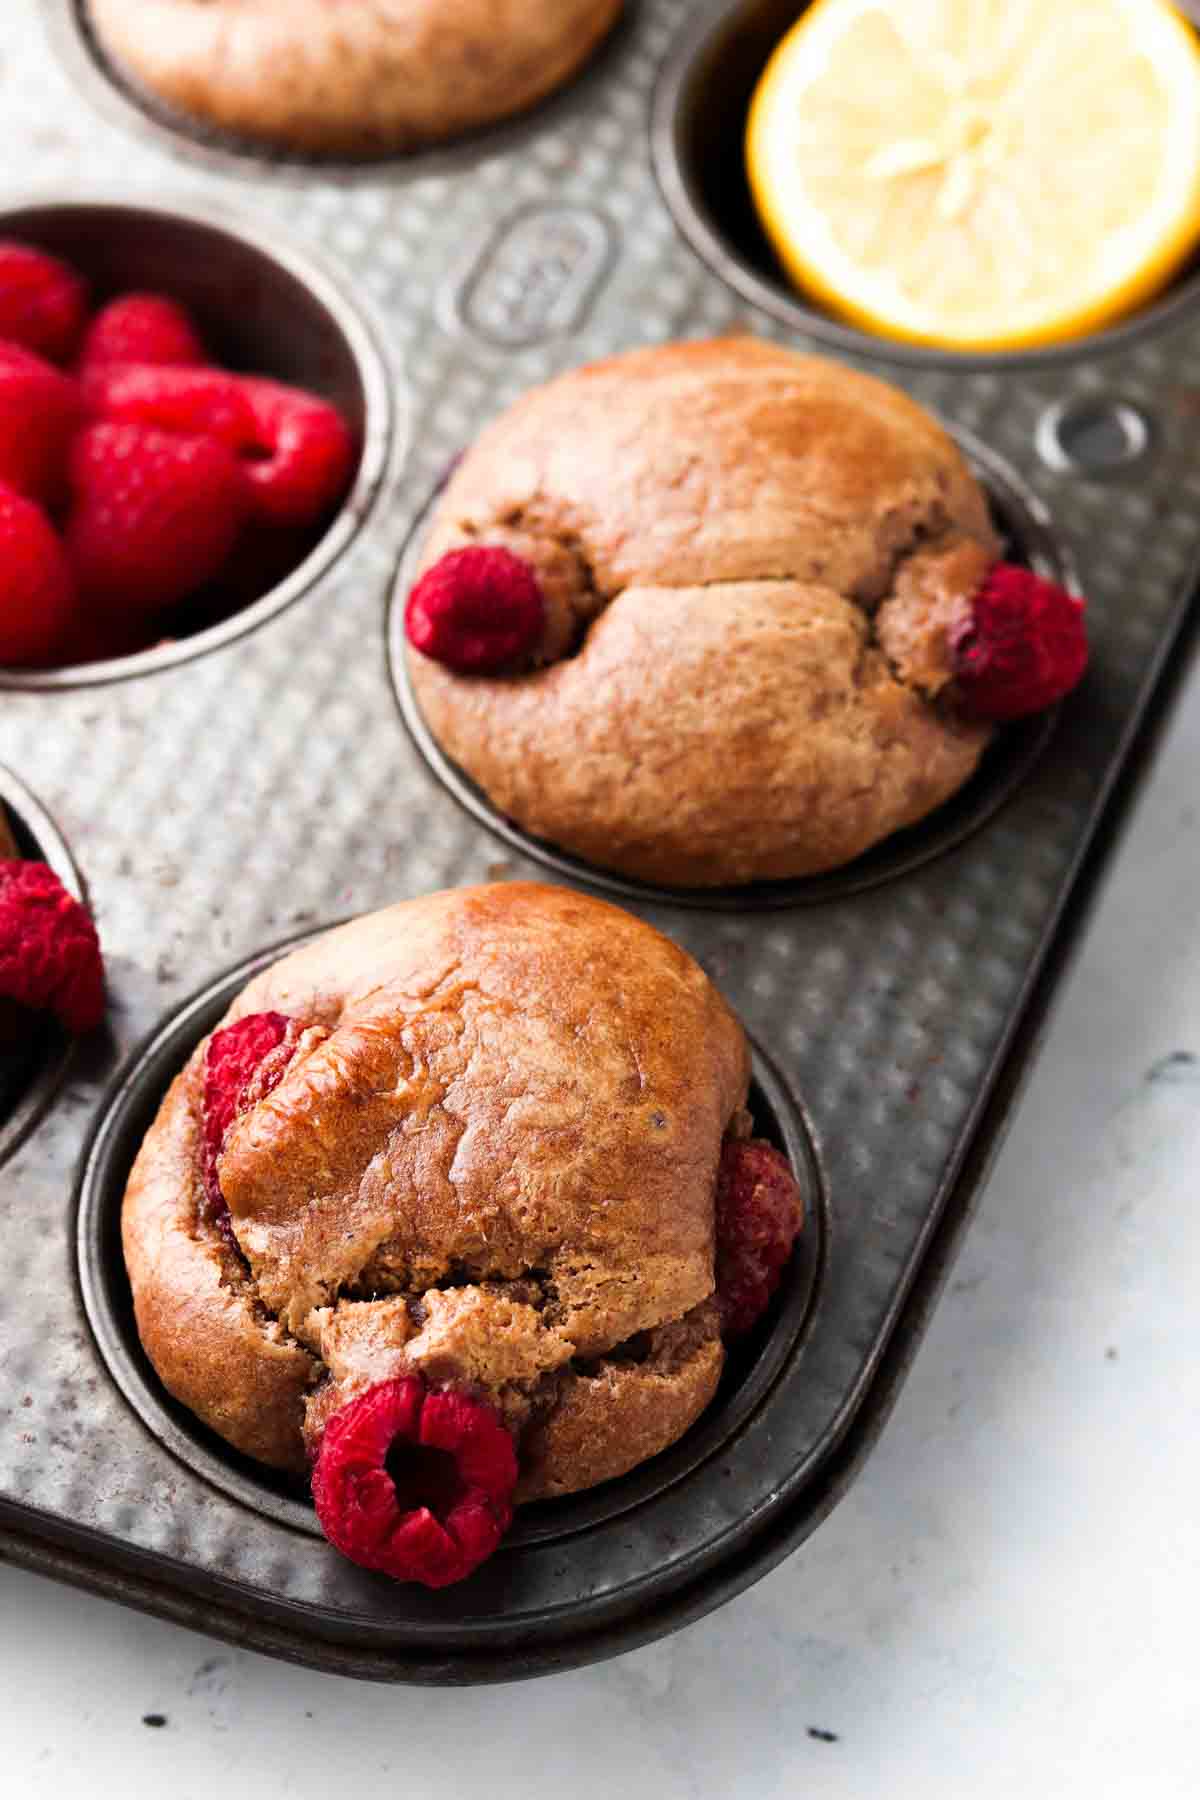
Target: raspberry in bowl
{"x":712,"y":614}
{"x":460,"y":1209}
{"x":212,"y":423}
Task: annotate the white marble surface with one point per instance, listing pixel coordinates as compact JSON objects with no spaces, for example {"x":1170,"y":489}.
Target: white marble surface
{"x":1004,"y":1604}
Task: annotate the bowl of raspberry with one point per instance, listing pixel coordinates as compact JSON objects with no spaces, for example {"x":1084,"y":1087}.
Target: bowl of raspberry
{"x":194,"y":421}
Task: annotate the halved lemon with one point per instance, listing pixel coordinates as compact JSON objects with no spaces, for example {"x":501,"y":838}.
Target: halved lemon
{"x":980,"y":174}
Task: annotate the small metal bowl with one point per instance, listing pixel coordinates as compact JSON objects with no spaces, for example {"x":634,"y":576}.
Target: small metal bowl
{"x":262,"y":305}
{"x":697,"y":138}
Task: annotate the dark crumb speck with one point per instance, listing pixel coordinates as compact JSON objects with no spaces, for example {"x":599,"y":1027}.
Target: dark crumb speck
{"x":1179,"y":1066}
{"x":1110,"y":1355}
{"x":156,"y":1721}
{"x":822,"y":1737}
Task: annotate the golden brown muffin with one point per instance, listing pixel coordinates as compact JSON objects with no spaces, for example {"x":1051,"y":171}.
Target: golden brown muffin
{"x":753,"y":564}
{"x":491,"y":1161}
{"x":359,"y":79}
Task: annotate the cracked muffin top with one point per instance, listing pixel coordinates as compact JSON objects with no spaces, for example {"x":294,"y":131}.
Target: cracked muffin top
{"x":473,"y":1142}
{"x":753,"y":566}
{"x":327,"y":78}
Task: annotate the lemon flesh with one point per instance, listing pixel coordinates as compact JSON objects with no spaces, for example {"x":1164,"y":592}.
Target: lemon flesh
{"x":980,"y":174}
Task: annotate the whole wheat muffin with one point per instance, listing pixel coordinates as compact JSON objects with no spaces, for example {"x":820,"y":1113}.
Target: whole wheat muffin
{"x":741,"y":585}
{"x":465,"y":1152}
{"x":360,"y":79}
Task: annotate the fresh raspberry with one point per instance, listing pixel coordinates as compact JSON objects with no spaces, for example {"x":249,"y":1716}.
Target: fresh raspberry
{"x":38,"y":606}
{"x":243,"y":1063}
{"x":302,"y":453}
{"x":415,"y":1484}
{"x":189,"y":401}
{"x":43,"y":303}
{"x":1024,"y":646}
{"x":39,"y":413}
{"x":140,"y":328}
{"x":759,"y":1213}
{"x":153,"y":518}
{"x":477,"y":609}
{"x":49,"y":952}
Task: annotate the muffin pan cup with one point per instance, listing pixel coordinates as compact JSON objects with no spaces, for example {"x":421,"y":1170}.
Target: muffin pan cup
{"x":224,"y":803}
{"x":1027,"y":537}
{"x":238,"y":277}
{"x":699,"y":114}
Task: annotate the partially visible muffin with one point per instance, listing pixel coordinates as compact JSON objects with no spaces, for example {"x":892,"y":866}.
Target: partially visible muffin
{"x":743,"y":582}
{"x":324,"y":78}
{"x":469,"y":1146}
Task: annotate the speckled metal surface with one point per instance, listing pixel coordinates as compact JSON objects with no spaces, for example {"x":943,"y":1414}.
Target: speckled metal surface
{"x":220,"y":805}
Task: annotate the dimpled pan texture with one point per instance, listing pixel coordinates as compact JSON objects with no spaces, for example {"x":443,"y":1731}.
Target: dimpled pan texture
{"x":258,"y":791}
{"x":505,"y":1106}
{"x":324,"y":77}
{"x":751,"y":561}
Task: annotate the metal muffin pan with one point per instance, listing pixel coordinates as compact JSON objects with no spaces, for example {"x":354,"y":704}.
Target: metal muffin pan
{"x":224,"y":803}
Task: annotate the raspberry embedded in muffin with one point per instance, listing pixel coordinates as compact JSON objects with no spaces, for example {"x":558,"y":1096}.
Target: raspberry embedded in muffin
{"x":418,"y":1485}
{"x":477,"y":611}
{"x":242,"y":1064}
{"x":759,"y":1213}
{"x":769,"y":593}
{"x":465,"y":1150}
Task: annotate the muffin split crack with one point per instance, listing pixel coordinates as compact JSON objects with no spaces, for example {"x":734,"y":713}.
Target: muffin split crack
{"x":757,"y":570}
{"x":473,"y":1145}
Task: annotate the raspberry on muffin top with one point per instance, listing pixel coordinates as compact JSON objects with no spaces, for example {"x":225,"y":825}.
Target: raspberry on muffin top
{"x":758,"y":575}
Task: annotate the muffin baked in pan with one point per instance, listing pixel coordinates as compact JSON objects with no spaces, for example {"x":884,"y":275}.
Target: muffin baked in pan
{"x":745,"y":590}
{"x":359,"y":80}
{"x":888,"y":1014}
{"x":490,"y":1148}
